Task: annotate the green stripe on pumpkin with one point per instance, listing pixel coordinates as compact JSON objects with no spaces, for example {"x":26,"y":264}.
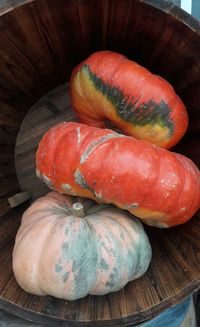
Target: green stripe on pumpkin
{"x":127,"y":108}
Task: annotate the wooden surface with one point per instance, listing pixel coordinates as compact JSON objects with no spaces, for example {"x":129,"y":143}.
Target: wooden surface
{"x":49,"y":110}
{"x":41,"y":41}
{"x":174,"y":272}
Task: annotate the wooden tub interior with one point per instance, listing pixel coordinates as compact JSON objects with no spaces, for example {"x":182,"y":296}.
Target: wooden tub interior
{"x":40,"y":43}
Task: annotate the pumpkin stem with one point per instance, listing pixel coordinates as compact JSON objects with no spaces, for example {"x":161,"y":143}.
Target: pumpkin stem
{"x":78,"y":210}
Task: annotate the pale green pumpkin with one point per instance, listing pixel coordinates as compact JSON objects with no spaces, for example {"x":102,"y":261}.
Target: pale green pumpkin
{"x":61,"y":253}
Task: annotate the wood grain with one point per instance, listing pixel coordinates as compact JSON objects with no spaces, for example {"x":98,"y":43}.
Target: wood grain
{"x":41,"y":42}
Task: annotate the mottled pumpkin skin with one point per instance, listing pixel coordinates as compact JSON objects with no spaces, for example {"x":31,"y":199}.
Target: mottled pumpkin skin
{"x":154,"y":184}
{"x":108,"y":86}
{"x":69,"y":257}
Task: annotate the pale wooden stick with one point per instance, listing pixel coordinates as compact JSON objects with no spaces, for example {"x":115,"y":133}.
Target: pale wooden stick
{"x":18,"y":198}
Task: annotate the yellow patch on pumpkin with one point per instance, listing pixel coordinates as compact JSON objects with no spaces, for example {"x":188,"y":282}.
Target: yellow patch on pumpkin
{"x":155,"y":134}
{"x":154,"y":218}
{"x":100,"y":106}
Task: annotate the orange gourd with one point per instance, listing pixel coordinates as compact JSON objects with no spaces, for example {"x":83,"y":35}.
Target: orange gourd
{"x":154,"y":184}
{"x":109,"y":87}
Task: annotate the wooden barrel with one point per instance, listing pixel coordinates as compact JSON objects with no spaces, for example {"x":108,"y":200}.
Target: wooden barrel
{"x":40,"y":43}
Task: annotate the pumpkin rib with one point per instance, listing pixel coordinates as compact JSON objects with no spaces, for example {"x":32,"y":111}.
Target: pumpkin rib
{"x":99,"y":281}
{"x":121,"y":224}
{"x":30,"y":226}
{"x":46,"y":242}
{"x":145,"y":253}
{"x":35,"y":269}
{"x":110,"y":230}
{"x":195,"y":198}
{"x":153,"y":183}
{"x":183,"y":179}
{"x":95,"y":237}
{"x":174,"y":199}
{"x":131,"y":277}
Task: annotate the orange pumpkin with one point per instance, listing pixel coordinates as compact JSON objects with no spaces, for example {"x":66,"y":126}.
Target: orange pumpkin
{"x":60,"y":252}
{"x":109,"y":87}
{"x":154,"y":184}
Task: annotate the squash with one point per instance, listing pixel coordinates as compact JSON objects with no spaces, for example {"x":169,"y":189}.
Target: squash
{"x":152,"y":183}
{"x":109,"y":87}
{"x":69,"y":250}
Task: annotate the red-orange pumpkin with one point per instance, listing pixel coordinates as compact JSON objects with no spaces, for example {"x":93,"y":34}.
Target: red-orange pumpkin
{"x":161,"y":187}
{"x":108,"y":86}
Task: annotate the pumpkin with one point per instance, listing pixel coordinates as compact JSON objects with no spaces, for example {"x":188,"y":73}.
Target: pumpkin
{"x":69,"y":250}
{"x":152,"y":183}
{"x":109,"y":87}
